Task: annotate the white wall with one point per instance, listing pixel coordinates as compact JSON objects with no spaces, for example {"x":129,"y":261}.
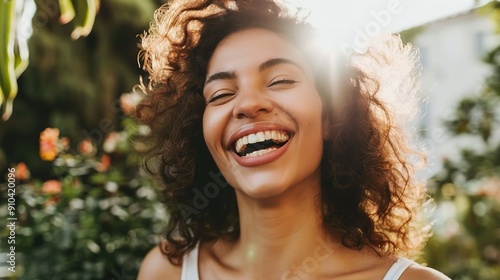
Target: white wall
{"x":451,"y":51}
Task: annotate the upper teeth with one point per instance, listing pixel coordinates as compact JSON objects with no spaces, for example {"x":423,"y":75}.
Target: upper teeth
{"x":261,"y":136}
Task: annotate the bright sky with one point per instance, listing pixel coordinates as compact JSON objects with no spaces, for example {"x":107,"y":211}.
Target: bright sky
{"x":343,"y":19}
{"x":410,"y":12}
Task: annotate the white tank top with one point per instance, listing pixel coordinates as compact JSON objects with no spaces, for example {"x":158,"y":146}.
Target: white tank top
{"x":190,"y":266}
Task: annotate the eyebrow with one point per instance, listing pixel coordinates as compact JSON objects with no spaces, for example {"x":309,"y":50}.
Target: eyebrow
{"x":276,"y":61}
{"x":220,"y":76}
{"x":229,"y":75}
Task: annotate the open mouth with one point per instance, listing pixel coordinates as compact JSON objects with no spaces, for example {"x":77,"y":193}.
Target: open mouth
{"x":260,"y":143}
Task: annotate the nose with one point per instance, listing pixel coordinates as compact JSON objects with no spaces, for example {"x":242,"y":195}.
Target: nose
{"x":251,"y":103}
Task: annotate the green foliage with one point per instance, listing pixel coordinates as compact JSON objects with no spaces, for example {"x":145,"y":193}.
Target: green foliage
{"x":13,"y":49}
{"x":74,"y":84}
{"x":97,"y":220}
{"x":16,"y":25}
{"x":467,"y":191}
{"x":80,"y":218}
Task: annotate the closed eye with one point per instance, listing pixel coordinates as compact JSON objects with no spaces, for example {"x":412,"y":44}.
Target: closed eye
{"x":219,"y":96}
{"x":282,"y":81}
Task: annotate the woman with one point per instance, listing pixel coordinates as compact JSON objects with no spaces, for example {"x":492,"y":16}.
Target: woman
{"x":274,"y":162}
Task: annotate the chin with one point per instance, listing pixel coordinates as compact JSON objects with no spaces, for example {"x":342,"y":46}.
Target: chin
{"x":261,"y":189}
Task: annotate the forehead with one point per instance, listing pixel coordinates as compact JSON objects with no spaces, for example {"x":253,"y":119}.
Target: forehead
{"x":250,"y":47}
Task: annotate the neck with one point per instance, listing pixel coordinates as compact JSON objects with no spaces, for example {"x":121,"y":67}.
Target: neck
{"x":285,"y":231}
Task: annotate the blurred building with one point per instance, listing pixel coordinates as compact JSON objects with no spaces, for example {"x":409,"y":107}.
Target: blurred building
{"x":451,"y":51}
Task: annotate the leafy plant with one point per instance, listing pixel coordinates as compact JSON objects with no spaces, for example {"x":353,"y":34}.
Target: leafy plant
{"x":467,"y":190}
{"x":97,"y":219}
{"x":16,"y":29}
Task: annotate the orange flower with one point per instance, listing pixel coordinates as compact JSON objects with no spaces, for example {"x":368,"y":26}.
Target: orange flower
{"x":111,"y":142}
{"x":22,"y":171}
{"x":86,"y":147}
{"x":490,"y":187}
{"x":52,"y":201}
{"x":51,"y":187}
{"x":48,"y":144}
{"x":129,"y":101}
{"x":64,"y":144}
{"x":104,"y":165}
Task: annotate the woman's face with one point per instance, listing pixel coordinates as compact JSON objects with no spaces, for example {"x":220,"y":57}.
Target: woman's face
{"x":263,"y":119}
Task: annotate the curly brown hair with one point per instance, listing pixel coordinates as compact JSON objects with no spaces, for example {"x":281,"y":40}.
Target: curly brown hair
{"x":369,"y":195}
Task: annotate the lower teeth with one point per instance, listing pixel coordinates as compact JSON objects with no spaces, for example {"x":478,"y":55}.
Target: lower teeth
{"x":260,"y":152}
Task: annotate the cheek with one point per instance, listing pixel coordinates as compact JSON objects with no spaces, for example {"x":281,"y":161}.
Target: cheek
{"x":312,"y":120}
{"x":310,"y":108}
{"x":213,"y":129}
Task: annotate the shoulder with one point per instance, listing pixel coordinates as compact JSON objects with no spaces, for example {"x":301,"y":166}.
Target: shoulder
{"x":417,"y":272}
{"x":156,"y":266}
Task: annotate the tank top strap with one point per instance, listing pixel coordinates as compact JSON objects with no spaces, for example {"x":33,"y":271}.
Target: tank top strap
{"x":190,"y":264}
{"x":398,"y":268}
